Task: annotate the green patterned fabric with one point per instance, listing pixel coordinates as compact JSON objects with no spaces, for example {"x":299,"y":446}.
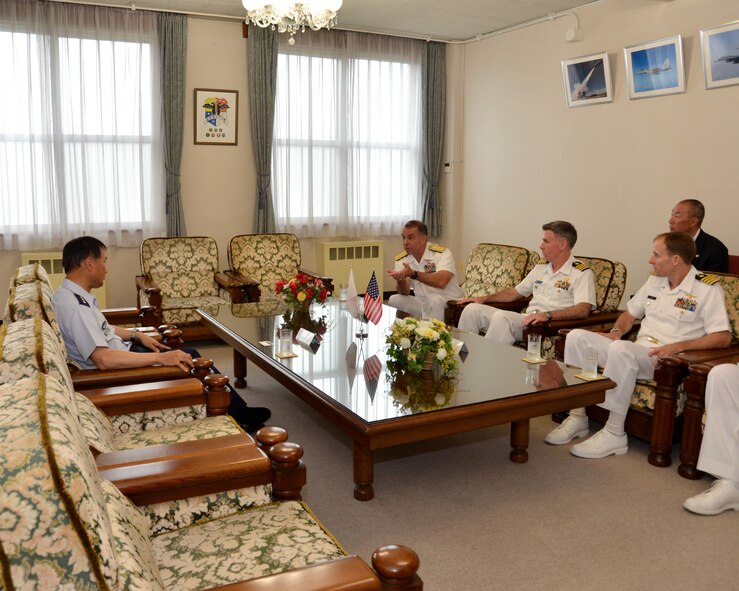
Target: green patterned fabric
{"x":261,"y":541}
{"x":157,"y":419}
{"x":204,"y":429}
{"x":184,"y":269}
{"x":30,"y":346}
{"x":265,"y":258}
{"x":492,"y":267}
{"x":645,"y":394}
{"x":610,"y":281}
{"x":32,"y":299}
{"x":137,"y":567}
{"x":55,"y":530}
{"x":96,"y":426}
{"x":730,"y":285}
{"x":174,"y":515}
{"x":29,"y":274}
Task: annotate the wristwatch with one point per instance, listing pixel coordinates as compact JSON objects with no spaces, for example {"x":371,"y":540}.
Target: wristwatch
{"x":548,"y":314}
{"x":134,"y":332}
{"x":414,"y":275}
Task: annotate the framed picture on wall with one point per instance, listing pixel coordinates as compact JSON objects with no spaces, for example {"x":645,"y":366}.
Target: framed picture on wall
{"x":216,"y":115}
{"x":720,"y":47}
{"x":587,"y":80}
{"x":655,"y":68}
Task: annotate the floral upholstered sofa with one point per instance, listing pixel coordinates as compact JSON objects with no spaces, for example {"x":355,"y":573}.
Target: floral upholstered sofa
{"x":65,"y":527}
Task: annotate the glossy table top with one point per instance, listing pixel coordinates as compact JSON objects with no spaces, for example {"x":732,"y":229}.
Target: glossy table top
{"x":489,"y":371}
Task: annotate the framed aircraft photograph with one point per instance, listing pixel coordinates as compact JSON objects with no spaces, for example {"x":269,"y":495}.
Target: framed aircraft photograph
{"x":587,"y":80}
{"x":655,"y":68}
{"x":720,"y":47}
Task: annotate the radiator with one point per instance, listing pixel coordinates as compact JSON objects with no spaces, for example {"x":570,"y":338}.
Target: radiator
{"x":52,"y":264}
{"x":363,"y":256}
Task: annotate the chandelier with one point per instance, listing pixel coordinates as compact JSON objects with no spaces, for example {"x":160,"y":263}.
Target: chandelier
{"x":291,"y":16}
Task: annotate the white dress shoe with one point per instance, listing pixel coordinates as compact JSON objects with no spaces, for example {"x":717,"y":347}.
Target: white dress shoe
{"x":570,"y":428}
{"x":722,"y":496}
{"x":601,"y":445}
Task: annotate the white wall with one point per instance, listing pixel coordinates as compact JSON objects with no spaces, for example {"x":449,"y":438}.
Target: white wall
{"x":614,"y":170}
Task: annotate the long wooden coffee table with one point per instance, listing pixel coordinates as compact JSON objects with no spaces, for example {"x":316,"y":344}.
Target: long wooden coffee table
{"x":494,"y":385}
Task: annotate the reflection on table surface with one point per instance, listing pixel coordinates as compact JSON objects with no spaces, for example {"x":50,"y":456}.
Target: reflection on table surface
{"x":340,"y":367}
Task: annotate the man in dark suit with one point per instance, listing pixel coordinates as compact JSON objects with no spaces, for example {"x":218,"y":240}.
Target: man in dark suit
{"x":711,"y":254}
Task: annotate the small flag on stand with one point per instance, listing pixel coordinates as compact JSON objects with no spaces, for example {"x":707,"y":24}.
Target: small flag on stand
{"x":372,"y":302}
{"x":371,"y":371}
{"x":352,"y":303}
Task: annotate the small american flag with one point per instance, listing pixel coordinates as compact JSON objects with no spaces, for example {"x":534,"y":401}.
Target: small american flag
{"x":372,"y":302}
{"x":371,"y":371}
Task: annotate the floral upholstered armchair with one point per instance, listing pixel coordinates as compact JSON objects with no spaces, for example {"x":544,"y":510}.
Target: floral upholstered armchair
{"x":491,"y":268}
{"x":657,"y":408}
{"x":266,"y":258}
{"x":89,"y":535}
{"x":179,"y":275}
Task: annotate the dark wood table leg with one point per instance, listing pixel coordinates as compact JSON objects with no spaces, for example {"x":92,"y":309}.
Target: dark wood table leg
{"x":364,"y":472}
{"x":520,"y":441}
{"x":239,"y":370}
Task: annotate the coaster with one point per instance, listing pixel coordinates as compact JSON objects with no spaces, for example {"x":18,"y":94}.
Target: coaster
{"x":533,"y":361}
{"x":286,"y":355}
{"x":265,"y":343}
{"x":593,"y":379}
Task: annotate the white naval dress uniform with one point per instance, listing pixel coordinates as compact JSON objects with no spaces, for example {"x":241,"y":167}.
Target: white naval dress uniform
{"x":432,"y":299}
{"x":572,"y":284}
{"x":82,"y":324}
{"x":691,"y":310}
{"x":719,"y":453}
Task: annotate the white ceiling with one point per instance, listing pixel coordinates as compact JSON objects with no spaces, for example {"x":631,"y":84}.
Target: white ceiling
{"x":434,"y":19}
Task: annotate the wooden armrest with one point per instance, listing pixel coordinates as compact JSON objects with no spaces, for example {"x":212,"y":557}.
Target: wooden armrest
{"x":350,"y":573}
{"x":239,"y":287}
{"x":118,"y":400}
{"x":84,"y":379}
{"x":395,"y":568}
{"x":147,"y":284}
{"x":186,"y":469}
{"x":713,"y":356}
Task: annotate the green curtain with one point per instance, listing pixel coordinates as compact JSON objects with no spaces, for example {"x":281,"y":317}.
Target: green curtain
{"x":262,"y":76}
{"x":433,"y":99}
{"x":173,"y":49}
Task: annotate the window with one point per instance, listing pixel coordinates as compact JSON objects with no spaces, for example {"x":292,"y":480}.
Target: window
{"x":346,"y":156}
{"x":79,"y":148}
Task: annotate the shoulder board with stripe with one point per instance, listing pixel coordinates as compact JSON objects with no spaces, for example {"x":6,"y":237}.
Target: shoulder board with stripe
{"x":402,"y":255}
{"x":706,"y":278}
{"x":580,"y":266}
{"x":437,"y":248}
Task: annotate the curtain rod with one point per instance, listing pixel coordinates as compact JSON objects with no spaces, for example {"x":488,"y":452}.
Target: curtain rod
{"x":550,"y":17}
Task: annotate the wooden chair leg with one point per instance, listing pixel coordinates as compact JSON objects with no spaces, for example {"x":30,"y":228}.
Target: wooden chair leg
{"x":690,"y":444}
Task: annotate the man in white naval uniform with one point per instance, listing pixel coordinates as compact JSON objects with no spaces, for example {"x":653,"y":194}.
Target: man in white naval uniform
{"x":719,"y":453}
{"x":563,"y":288}
{"x":427,"y":268}
{"x":680,"y":310}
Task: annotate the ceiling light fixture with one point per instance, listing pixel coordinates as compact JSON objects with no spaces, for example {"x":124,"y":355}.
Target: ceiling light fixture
{"x":291,"y":16}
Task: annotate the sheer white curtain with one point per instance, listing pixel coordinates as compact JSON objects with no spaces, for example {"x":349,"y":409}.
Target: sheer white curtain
{"x":80,"y":148}
{"x":347,"y":140}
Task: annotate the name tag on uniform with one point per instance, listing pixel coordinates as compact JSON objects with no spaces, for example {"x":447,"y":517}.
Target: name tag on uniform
{"x":651,"y":297}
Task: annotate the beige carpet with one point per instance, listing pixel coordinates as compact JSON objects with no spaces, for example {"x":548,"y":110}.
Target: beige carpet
{"x":478,"y":521}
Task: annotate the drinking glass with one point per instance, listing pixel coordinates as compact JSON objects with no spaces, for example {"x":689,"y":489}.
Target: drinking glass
{"x":285,"y":336}
{"x":534,"y":347}
{"x":590,"y":363}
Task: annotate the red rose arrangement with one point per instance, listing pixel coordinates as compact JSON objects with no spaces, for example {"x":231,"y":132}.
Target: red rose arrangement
{"x":302,"y":288}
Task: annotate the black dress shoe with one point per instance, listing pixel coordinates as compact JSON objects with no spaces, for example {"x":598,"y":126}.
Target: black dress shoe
{"x":252,"y":418}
